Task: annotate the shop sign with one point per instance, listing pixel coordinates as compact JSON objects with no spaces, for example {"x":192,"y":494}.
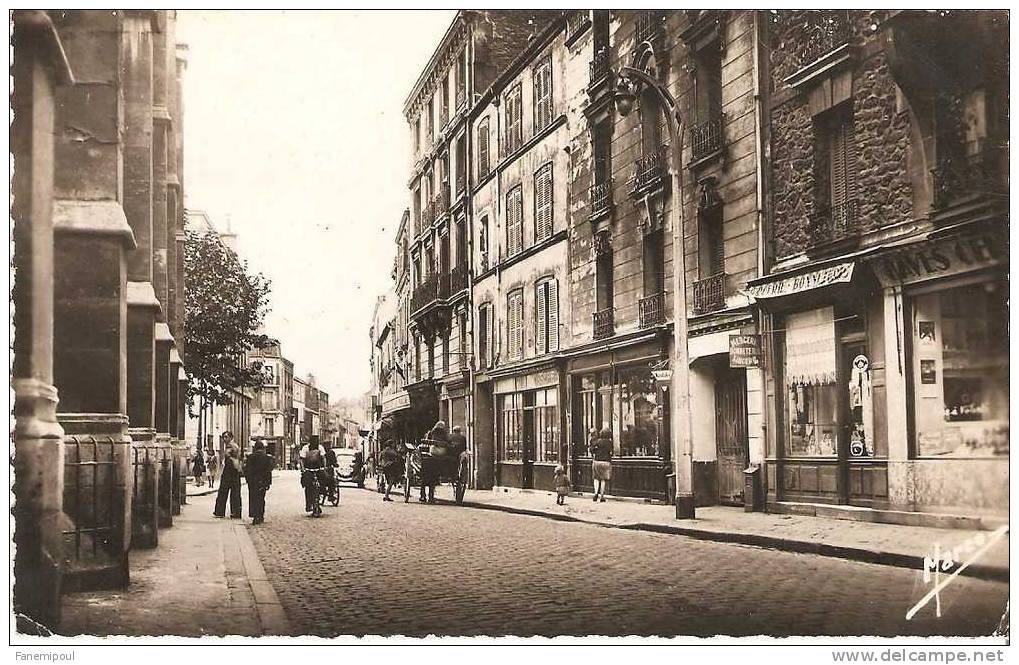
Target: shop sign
{"x":662,"y":375}
{"x":837,"y":274}
{"x":943,"y":258}
{"x":744,"y":351}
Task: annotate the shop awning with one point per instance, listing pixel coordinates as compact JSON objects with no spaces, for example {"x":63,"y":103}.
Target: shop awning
{"x":781,"y":285}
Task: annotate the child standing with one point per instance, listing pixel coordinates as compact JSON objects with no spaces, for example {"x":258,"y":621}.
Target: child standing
{"x":562,"y":485}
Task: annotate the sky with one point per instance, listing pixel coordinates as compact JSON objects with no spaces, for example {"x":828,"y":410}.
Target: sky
{"x":294,"y":133}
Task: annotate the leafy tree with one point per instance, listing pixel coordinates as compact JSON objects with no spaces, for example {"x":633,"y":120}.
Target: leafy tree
{"x":224,"y":306}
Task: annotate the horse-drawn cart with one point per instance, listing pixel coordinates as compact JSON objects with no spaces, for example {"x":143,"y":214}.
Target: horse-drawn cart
{"x":432,"y":462}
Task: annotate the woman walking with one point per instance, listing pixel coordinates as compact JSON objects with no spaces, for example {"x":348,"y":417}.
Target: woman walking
{"x":601,"y":467}
{"x":198,"y":467}
{"x":211,"y":467}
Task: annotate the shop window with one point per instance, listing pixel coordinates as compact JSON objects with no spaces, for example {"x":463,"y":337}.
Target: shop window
{"x":546,"y":425}
{"x":960,"y":371}
{"x":628,"y":402}
{"x":511,"y":418}
{"x":810,"y":380}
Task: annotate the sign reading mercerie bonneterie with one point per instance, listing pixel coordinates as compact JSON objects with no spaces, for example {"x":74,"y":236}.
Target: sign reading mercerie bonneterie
{"x":744,"y":350}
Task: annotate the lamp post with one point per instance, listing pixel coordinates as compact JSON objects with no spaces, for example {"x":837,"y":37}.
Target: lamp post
{"x":630,"y":82}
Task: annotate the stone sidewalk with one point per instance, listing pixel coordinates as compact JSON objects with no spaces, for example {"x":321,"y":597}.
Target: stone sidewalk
{"x":888,"y":544}
{"x":204,"y":579}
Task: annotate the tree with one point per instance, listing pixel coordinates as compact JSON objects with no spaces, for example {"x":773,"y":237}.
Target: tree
{"x":224,"y":307}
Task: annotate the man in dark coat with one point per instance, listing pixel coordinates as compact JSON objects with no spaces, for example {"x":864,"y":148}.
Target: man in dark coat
{"x":258,"y":472}
{"x":230,"y":484}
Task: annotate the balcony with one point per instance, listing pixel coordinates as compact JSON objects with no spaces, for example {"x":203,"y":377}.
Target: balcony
{"x":599,"y":68}
{"x":440,"y":205}
{"x":830,"y":31}
{"x":577,"y":21}
{"x":604,"y":324}
{"x":706,"y":137}
{"x":428,"y":215}
{"x":601,"y":199}
{"x":650,"y":26}
{"x":458,"y":280}
{"x":828,"y":224}
{"x":649,"y":171}
{"x":959,"y":178}
{"x":709,"y":294}
{"x":651,"y":311}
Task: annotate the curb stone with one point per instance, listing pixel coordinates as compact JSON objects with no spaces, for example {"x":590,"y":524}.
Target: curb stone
{"x":271,"y":617}
{"x":898,"y":560}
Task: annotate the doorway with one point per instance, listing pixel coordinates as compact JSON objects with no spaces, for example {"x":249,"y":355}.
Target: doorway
{"x":732,"y":446}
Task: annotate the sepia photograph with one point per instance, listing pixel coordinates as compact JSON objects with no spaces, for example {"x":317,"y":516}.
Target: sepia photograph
{"x":496,"y":327}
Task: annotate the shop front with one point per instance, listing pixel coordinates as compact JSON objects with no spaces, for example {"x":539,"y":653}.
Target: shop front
{"x":952,"y":292}
{"x":529,"y":444}
{"x":617,"y":389}
{"x":396,"y":408}
{"x":825,"y":385}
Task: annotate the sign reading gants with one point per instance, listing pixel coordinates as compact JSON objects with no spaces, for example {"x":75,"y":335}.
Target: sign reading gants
{"x":942,"y":258}
{"x":839,"y":273}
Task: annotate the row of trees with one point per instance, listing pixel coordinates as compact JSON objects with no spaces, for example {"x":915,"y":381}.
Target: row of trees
{"x":224,"y":307}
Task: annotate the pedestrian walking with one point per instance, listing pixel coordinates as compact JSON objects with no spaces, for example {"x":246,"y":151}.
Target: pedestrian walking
{"x":230,"y":484}
{"x":211,"y":467}
{"x":198,"y":467}
{"x":390,"y":461}
{"x":601,"y":467}
{"x":258,"y":472}
{"x":562,"y":485}
{"x":313,"y":462}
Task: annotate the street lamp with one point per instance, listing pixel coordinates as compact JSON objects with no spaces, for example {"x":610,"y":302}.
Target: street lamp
{"x":627,"y":89}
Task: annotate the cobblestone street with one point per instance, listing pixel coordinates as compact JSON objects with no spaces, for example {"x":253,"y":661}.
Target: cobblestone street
{"x":370,"y":567}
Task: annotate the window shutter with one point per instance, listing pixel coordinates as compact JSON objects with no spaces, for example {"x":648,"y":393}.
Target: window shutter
{"x":543,"y":203}
{"x":553,"y":315}
{"x":541,"y":320}
{"x":483,"y":337}
{"x":514,"y":221}
{"x":483,"y":159}
{"x":850,"y":147}
{"x":542,"y":96}
{"x":838,"y":164}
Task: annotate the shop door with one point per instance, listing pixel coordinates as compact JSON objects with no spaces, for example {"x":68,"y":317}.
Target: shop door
{"x":852,"y":430}
{"x":527,"y":454}
{"x":731,"y":433}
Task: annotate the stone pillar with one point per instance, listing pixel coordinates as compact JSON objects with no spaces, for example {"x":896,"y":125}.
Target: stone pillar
{"x":179,"y":449}
{"x":91,"y":237}
{"x":38,"y":451}
{"x":181,"y":378}
{"x":164,"y":342}
{"x":145,"y":498}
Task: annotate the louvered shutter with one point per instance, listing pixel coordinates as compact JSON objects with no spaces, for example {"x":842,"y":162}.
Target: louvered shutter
{"x":547,"y":88}
{"x":838,"y":164}
{"x":540,"y":318}
{"x":542,"y":96}
{"x":543,"y":203}
{"x":850,"y":146}
{"x":483,"y":336}
{"x":553,"y":315}
{"x":483,"y":159}
{"x":514,"y":221}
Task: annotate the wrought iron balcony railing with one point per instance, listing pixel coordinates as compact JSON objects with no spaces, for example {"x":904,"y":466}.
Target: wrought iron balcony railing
{"x":425,"y":293}
{"x":649,"y":169}
{"x":604,"y":324}
{"x":958,"y":177}
{"x":832,"y":223}
{"x":706,"y":137}
{"x":441,"y":202}
{"x":651,"y":310}
{"x":428,"y":214}
{"x":829,"y":31}
{"x":709,"y":294}
{"x":650,"y":25}
{"x":601,"y":198}
{"x":458,"y":279}
{"x":576,"y":21}
{"x":599,"y":67}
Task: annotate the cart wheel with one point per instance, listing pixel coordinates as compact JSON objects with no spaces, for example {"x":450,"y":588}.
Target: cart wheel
{"x":460,"y":486}
{"x":407,"y":469}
